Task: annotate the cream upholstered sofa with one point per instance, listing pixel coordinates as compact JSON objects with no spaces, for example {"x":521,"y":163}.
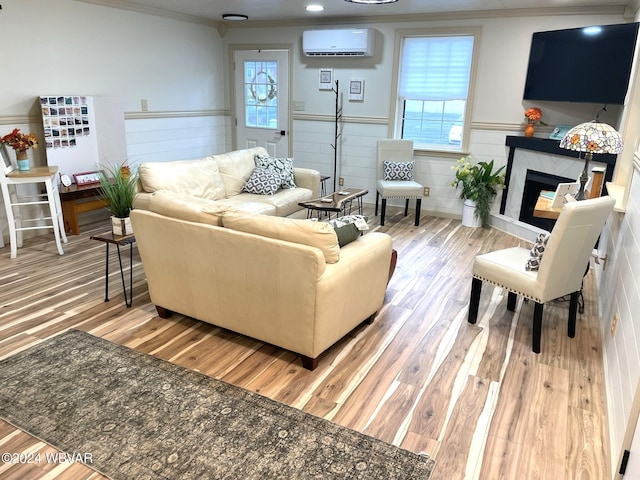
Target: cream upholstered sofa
{"x":220,"y":179}
{"x":280,"y":280}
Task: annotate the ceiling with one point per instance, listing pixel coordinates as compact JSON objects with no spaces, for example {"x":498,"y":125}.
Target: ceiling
{"x":294,"y":10}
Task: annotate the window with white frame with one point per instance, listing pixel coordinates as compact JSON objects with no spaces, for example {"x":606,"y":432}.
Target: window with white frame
{"x":433,"y":90}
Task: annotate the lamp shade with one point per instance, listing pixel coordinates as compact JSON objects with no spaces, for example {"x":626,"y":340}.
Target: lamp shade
{"x":593,"y":137}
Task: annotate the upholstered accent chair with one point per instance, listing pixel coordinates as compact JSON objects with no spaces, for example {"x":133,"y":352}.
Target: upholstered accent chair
{"x":561,"y":268}
{"x":395,"y":176}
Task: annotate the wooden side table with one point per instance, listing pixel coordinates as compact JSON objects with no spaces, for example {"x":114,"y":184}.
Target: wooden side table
{"x":118,"y":241}
{"x":71,"y":207}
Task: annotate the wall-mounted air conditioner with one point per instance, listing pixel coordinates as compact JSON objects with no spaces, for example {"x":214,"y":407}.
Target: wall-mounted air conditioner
{"x":349,"y":42}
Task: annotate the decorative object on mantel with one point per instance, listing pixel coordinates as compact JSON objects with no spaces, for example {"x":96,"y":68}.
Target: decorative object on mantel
{"x":533,"y":116}
{"x":479,"y":186}
{"x":591,"y":137}
{"x":118,"y":187}
{"x":21,"y":142}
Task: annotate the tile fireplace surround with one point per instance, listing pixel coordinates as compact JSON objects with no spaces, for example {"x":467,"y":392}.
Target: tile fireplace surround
{"x":543,"y":155}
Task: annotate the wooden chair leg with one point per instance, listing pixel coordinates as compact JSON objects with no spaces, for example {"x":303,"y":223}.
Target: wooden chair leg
{"x":377,"y":198}
{"x":573,"y":307}
{"x":384,"y":210}
{"x":418,"y":206}
{"x":406,"y":207}
{"x":537,"y":326}
{"x":512,"y":298}
{"x":474,"y":300}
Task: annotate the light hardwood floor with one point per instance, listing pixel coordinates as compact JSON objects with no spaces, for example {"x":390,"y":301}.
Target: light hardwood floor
{"x":475,"y":397}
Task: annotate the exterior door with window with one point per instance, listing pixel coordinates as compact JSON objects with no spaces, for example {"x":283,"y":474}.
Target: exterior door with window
{"x":262,"y":100}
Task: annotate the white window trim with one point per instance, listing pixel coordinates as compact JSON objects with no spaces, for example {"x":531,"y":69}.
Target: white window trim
{"x":395,"y":125}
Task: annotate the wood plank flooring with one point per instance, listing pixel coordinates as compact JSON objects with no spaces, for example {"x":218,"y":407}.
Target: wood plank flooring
{"x":475,"y":397}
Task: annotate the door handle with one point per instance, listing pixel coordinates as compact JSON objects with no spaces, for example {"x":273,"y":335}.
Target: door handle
{"x":282,"y":132}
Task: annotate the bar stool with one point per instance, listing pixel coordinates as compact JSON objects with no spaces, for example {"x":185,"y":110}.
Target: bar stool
{"x":13,"y":200}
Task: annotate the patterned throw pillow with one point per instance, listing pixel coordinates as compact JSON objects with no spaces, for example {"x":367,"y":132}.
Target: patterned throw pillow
{"x":348,"y":228}
{"x":535,"y":257}
{"x":398,"y":170}
{"x":282,"y":166}
{"x":263,"y":182}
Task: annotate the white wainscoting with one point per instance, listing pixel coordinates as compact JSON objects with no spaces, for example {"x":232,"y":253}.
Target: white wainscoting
{"x":619,"y":293}
{"x":159,"y":137}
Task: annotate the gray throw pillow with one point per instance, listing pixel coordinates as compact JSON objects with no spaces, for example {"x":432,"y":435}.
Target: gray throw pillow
{"x":282,"y":166}
{"x":263,"y":182}
{"x":397,"y":170}
{"x":346,"y":228}
{"x":535,"y":256}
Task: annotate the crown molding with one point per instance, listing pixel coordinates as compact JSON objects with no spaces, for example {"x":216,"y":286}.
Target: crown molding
{"x":175,"y":114}
{"x":435,"y":16}
{"x":159,"y":12}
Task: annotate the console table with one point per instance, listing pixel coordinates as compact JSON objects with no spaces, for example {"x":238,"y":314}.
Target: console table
{"x":551,"y":147}
{"x":71,"y":207}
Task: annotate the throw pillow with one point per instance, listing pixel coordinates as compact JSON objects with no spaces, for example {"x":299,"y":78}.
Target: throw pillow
{"x":263,"y":182}
{"x":397,"y":170}
{"x":535,"y":257}
{"x":348,"y":228}
{"x":283,"y":166}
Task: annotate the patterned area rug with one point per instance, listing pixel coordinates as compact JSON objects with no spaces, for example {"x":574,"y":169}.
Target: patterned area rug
{"x":140,"y":417}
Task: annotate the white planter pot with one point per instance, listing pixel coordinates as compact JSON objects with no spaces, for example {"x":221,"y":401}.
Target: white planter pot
{"x":469,"y":217}
{"x":121,"y":226}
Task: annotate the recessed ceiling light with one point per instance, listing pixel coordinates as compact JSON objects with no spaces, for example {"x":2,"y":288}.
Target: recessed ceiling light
{"x":371,"y":2}
{"x":235,"y":17}
{"x":315,"y":8}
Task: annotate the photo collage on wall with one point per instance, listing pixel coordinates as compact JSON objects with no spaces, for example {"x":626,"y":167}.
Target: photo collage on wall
{"x":65,"y":119}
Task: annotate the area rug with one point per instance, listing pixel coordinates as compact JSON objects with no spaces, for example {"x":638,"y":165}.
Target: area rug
{"x":133,"y":415}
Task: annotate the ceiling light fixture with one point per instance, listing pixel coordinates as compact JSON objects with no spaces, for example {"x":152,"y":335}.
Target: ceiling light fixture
{"x":371,"y":2}
{"x":234,"y":17}
{"x":315,"y":8}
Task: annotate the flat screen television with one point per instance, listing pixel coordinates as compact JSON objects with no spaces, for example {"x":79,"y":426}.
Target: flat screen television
{"x":587,"y":65}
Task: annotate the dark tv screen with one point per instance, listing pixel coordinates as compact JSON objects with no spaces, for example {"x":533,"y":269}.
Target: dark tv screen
{"x":588,"y":65}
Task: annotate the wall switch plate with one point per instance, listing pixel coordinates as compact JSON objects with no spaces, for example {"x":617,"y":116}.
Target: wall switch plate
{"x":298,"y":106}
{"x":427,"y":190}
{"x":144,"y":105}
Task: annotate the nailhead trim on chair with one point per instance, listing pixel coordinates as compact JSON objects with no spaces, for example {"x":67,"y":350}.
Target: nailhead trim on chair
{"x":401,"y":196}
{"x":508,"y":289}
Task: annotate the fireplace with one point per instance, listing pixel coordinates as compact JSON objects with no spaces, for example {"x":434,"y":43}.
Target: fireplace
{"x":536,"y":182}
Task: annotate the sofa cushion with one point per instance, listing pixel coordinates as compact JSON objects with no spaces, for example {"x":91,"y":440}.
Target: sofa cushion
{"x":248,"y":202}
{"x":199,"y":178}
{"x":282,"y":166}
{"x":236,"y":167}
{"x":263,"y":181}
{"x":185,"y":207}
{"x":285,"y":200}
{"x":306,"y":232}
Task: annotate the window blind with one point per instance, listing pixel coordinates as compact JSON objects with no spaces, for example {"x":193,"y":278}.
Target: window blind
{"x":436,"y":68}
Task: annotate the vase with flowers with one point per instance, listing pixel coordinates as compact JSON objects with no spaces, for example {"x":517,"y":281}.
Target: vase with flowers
{"x":21,"y":142}
{"x":534,"y":117}
{"x":480,"y":184}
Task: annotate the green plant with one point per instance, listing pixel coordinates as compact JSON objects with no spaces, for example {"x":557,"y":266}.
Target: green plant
{"x":480,"y":183}
{"x":118,"y":187}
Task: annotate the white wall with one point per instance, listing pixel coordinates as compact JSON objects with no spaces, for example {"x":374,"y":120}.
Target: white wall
{"x":75,"y":48}
{"x":498,"y":107}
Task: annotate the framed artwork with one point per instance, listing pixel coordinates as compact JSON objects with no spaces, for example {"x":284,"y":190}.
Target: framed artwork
{"x":356,"y":89}
{"x":86,"y":178}
{"x":326,"y":79}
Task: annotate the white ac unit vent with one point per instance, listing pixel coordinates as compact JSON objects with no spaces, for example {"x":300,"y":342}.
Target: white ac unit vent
{"x":351,"y":42}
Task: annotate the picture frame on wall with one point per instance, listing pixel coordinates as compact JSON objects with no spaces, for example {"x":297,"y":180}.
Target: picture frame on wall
{"x":326,"y":79}
{"x":356,"y":89}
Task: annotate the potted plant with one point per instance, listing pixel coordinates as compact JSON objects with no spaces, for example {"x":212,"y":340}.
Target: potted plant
{"x":118,"y":187}
{"x":480,"y":184}
{"x":21,"y":142}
